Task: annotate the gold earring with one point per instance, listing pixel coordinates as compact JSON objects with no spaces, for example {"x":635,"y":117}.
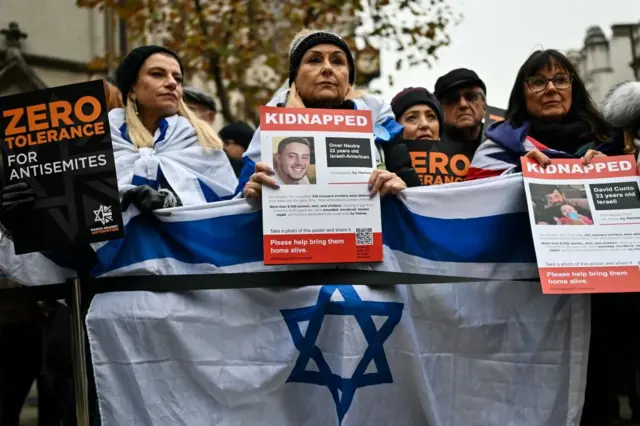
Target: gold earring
{"x":135,"y":106}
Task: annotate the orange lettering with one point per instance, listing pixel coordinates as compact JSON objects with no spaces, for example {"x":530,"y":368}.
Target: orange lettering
{"x":453,"y":164}
{"x":37,"y":113}
{"x":52,"y":135}
{"x":9,"y":141}
{"x":96,"y":109}
{"x":12,"y":127}
{"x":88,"y":129}
{"x":42,"y":137}
{"x":437,"y":163}
{"x":76,"y":132}
{"x":21,"y":141}
{"x":428,"y":179}
{"x":438,"y":180}
{"x":60,"y":111}
{"x":63,"y":135}
{"x":99,"y":128}
{"x":419,"y":159}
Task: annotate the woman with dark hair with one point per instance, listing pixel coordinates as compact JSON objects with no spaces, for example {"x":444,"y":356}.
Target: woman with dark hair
{"x":550,"y":115}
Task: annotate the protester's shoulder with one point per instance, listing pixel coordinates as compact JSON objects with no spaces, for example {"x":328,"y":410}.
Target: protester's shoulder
{"x":614,"y":145}
{"x":279,"y":97}
{"x":507,"y":134}
{"x":367,"y":101}
{"x":116,"y":116}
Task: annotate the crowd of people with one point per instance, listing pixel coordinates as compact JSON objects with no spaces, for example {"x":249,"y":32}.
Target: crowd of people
{"x":550,"y":114}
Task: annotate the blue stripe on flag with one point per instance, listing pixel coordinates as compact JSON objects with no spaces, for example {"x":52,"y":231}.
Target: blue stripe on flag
{"x":248,"y":168}
{"x":220,"y":241}
{"x":209,"y":194}
{"x":504,"y":238}
{"x":236,"y":239}
{"x":139,"y":181}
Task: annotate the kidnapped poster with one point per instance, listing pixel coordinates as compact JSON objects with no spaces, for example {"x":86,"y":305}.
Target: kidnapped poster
{"x":58,"y":141}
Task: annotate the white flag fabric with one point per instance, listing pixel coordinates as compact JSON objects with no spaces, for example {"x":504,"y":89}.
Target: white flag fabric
{"x":491,"y":352}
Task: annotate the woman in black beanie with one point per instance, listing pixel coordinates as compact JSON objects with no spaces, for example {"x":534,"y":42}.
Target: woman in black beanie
{"x":419,"y":112}
{"x":322,"y":75}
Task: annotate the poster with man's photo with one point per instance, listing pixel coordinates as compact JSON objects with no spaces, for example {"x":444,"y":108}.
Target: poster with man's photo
{"x":585,"y":222}
{"x":322,"y":211}
{"x":57,"y":142}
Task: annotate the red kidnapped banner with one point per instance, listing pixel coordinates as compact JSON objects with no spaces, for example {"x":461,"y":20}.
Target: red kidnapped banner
{"x":314,"y":120}
{"x":599,"y":168}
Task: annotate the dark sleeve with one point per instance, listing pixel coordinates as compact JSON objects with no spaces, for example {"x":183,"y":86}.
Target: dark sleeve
{"x":80,"y":258}
{"x":398,"y":161}
{"x":615,"y":146}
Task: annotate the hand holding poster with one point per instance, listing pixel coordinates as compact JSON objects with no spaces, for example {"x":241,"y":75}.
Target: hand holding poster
{"x":58,"y":142}
{"x":322,"y":212}
{"x":586,"y":224}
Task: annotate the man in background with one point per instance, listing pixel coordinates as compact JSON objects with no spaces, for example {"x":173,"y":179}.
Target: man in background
{"x":200,"y":103}
{"x":462,"y":95}
{"x":236,"y":136}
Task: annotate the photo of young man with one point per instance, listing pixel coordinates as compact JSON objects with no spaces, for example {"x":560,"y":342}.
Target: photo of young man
{"x":292,"y":161}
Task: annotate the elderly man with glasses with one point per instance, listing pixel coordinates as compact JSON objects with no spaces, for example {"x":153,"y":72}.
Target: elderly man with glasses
{"x":462,"y":95}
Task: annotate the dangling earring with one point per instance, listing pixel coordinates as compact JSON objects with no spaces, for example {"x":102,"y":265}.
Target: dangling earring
{"x":135,"y":105}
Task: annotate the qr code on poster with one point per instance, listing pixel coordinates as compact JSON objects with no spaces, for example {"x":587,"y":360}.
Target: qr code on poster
{"x":364,"y":236}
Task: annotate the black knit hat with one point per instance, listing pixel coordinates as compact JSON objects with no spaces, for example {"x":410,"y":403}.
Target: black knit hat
{"x":239,"y":132}
{"x":457,"y":79}
{"x":304,"y":43}
{"x":197,"y":96}
{"x":127,"y":72}
{"x":415,"y":96}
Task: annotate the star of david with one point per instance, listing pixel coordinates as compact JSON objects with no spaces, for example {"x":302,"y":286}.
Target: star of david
{"x":103,"y":215}
{"x":342,"y":389}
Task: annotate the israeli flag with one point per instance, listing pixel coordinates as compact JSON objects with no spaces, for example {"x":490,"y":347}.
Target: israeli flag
{"x":489,"y":352}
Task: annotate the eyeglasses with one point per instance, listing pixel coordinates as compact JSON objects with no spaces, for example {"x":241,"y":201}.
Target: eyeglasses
{"x":454,"y":97}
{"x":539,"y":83}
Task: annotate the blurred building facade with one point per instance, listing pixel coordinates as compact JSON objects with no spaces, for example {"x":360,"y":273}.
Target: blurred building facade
{"x":47,"y":43}
{"x":604,"y":62}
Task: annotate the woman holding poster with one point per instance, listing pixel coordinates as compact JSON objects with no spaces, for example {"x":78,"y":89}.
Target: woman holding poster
{"x":321,"y":75}
{"x":550,"y":115}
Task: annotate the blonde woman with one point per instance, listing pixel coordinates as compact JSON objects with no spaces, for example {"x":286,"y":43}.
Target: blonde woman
{"x":165,"y":155}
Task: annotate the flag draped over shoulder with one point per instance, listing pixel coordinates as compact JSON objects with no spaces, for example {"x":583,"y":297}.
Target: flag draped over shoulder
{"x":491,"y":352}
